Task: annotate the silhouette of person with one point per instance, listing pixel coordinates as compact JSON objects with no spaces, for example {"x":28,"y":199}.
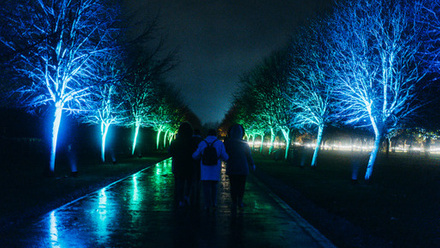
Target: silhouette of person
{"x":210,"y":174}
{"x":181,"y":150}
{"x":238,"y":165}
{"x":195,"y":197}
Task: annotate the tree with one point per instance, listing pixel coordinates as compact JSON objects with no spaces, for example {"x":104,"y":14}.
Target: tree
{"x":310,"y":87}
{"x":168,"y":113}
{"x":146,"y":65}
{"x":270,"y":86}
{"x":104,"y":106}
{"x":374,"y":64}
{"x":55,"y":47}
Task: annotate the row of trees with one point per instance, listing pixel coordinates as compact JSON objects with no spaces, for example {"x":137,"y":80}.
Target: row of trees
{"x":79,"y":57}
{"x":369,"y":64}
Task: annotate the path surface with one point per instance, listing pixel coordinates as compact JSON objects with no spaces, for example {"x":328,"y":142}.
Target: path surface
{"x":139,"y":211}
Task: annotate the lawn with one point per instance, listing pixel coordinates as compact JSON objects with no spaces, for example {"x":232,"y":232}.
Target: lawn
{"x":399,"y":207}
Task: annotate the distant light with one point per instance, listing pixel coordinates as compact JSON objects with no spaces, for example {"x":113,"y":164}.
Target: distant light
{"x":350,"y":147}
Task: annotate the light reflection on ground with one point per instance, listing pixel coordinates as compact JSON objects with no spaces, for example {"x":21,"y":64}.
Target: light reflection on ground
{"x":140,"y":212}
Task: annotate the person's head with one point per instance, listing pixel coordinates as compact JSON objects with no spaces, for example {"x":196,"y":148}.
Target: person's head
{"x":185,"y":130}
{"x":236,"y":131}
{"x":212,"y":132}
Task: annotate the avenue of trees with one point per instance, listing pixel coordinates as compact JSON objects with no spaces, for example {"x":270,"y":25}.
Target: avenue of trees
{"x":368,"y":64}
{"x":81,"y":58}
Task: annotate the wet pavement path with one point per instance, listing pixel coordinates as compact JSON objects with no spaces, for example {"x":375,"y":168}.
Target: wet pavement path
{"x":139,"y":211}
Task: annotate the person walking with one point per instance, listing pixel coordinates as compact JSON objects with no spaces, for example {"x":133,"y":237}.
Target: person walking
{"x":181,"y":150}
{"x":195,"y":197}
{"x":238,"y":165}
{"x":210,"y":167}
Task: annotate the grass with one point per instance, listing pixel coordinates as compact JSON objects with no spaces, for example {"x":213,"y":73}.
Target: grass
{"x":25,"y":192}
{"x":399,"y":207}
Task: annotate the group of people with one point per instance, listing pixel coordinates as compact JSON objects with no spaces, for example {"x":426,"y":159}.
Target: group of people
{"x":193,"y":170}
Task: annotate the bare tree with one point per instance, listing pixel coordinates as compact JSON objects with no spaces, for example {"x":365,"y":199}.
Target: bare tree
{"x":55,"y":47}
{"x":265,"y":86}
{"x":374,"y":44}
{"x":310,"y":87}
{"x":147,"y":63}
{"x":168,"y":113}
{"x":104,"y":106}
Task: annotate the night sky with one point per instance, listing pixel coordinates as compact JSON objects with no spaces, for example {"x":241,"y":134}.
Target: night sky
{"x":219,"y":40}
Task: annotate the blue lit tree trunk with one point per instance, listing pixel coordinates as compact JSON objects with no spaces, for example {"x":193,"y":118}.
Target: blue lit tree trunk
{"x":57,"y":47}
{"x":55,"y":130}
{"x":286,"y":134}
{"x":373,"y":156}
{"x":318,"y":144}
{"x":310,"y":87}
{"x":377,"y":69}
{"x":104,"y":131}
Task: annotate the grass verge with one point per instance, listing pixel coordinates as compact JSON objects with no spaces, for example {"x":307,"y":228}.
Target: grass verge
{"x":399,"y":207}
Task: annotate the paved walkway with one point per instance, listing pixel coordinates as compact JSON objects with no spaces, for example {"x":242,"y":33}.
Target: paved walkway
{"x":139,"y":211}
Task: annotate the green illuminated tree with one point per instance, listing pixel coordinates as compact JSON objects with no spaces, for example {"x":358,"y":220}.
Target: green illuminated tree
{"x":147,"y":62}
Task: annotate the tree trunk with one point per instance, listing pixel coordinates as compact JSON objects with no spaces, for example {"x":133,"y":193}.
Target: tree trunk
{"x":170,"y":137}
{"x":286,"y":134}
{"x":253,"y":142}
{"x":262,"y":143}
{"x":166,"y":138}
{"x":318,"y":144}
{"x":158,"y":138}
{"x":136,"y":132}
{"x":104,"y":132}
{"x":373,"y":157}
{"x":272,"y":140}
{"x":55,"y":128}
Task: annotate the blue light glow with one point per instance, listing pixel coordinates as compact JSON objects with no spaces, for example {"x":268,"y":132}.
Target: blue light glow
{"x":53,"y":230}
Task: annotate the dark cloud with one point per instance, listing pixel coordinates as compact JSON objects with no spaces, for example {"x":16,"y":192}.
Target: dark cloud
{"x":219,"y":40}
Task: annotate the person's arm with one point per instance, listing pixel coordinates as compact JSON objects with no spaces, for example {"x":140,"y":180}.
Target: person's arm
{"x":198,"y":153}
{"x":223,"y":155}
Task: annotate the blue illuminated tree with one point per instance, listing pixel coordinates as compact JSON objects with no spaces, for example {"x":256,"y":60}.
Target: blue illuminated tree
{"x":104,"y":106}
{"x":55,"y":47}
{"x":310,"y":87}
{"x":374,"y":64}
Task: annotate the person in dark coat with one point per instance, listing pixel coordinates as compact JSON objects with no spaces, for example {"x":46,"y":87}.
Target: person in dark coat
{"x":181,"y":150}
{"x":195,"y":197}
{"x":238,"y":165}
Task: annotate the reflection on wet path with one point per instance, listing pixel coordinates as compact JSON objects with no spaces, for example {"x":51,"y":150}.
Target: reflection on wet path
{"x":139,"y":211}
